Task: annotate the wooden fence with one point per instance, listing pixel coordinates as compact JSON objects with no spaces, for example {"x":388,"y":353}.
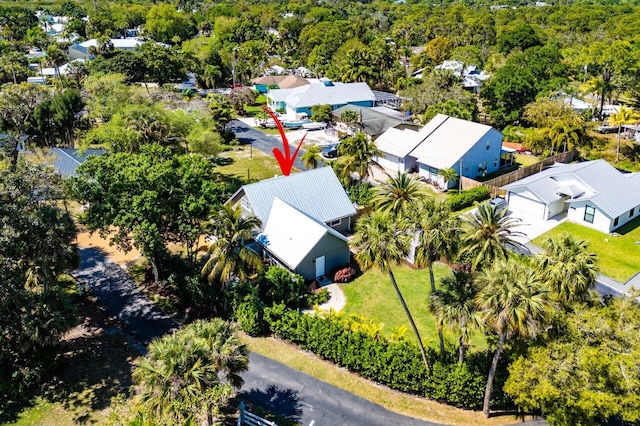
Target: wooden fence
{"x":249,"y":419}
{"x":507,"y":178}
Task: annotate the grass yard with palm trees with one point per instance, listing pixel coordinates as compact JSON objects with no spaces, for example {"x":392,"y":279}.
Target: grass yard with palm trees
{"x":371,"y":295}
{"x":249,"y":164}
{"x":618,"y":256}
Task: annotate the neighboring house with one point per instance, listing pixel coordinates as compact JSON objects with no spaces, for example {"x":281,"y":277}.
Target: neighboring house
{"x":371,"y":121}
{"x":263,"y":84}
{"x":471,"y":149}
{"x":81,"y":50}
{"x":299,"y":100}
{"x":63,"y":69}
{"x":592,"y":193}
{"x":67,"y":160}
{"x":302,"y":244}
{"x":472,"y":78}
{"x":311,"y":211}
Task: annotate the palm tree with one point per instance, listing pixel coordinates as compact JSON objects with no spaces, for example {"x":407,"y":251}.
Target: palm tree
{"x":623,"y":116}
{"x":312,"y":157}
{"x":360,"y":153}
{"x":379,"y":242}
{"x":435,"y":233}
{"x":562,"y":134}
{"x":228,"y":256}
{"x":454,"y":307}
{"x":190,"y":373}
{"x":448,"y":175}
{"x":398,"y":194}
{"x":512,"y":302}
{"x":488,"y":235}
{"x":211,"y":75}
{"x":567,"y":268}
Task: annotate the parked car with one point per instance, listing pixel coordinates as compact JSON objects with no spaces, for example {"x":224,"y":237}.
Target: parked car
{"x":499,"y":202}
{"x":330,"y":151}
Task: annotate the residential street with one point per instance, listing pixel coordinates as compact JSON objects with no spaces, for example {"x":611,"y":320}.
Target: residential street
{"x":262,"y":141}
{"x":283,"y":390}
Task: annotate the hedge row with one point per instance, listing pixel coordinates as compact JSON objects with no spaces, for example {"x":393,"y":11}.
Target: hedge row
{"x":396,"y":364}
{"x":466,"y":198}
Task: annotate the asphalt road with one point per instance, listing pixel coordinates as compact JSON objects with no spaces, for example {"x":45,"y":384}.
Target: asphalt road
{"x":310,"y":402}
{"x":120,"y":297}
{"x":278,"y":388}
{"x":262,"y":141}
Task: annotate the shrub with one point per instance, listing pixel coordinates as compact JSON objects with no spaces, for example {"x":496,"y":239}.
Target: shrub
{"x":249,"y":315}
{"x":318,"y":298}
{"x":344,"y":275}
{"x":397,"y":364}
{"x":466,"y":198}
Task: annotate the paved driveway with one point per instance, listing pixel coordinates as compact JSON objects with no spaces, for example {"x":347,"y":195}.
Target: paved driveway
{"x":533,"y":226}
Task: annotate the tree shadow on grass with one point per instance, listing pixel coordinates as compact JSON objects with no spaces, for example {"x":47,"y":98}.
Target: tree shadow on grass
{"x":283,"y":403}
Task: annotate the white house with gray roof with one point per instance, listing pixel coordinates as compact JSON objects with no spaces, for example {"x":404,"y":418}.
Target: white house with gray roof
{"x":303,"y":218}
{"x":592,"y":193}
{"x":299,"y":100}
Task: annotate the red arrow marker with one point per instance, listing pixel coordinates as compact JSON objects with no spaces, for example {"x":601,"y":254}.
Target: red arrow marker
{"x":285,"y":160}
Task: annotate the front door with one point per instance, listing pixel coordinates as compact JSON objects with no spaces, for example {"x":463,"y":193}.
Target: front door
{"x":319,"y":266}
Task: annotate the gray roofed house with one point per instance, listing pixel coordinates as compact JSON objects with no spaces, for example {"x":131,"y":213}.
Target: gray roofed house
{"x":303,"y":217}
{"x":302,"y":244}
{"x":591,"y":193}
{"x":372,"y":122}
{"x":67,"y":160}
{"x":317,"y":193}
{"x":470,"y":149}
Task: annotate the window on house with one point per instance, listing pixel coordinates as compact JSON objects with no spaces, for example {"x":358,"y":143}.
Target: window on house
{"x":632,"y":212}
{"x":495,"y":162}
{"x":615,"y":221}
{"x":589,"y":213}
{"x":335,"y":222}
{"x":488,"y":145}
{"x":245,"y":203}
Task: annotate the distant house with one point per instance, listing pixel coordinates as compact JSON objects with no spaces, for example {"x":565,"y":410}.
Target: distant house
{"x":81,"y":50}
{"x":472,"y":77}
{"x":471,"y":149}
{"x":299,"y":100}
{"x":303,"y":218}
{"x":592,"y":193}
{"x":62,"y":69}
{"x":264,"y":83}
{"x":67,"y":160}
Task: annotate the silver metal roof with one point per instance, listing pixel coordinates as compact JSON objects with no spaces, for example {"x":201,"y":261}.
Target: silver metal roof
{"x":611,"y":190}
{"x":316,"y":193}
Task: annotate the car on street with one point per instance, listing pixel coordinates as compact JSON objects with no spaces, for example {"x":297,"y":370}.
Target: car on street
{"x":330,"y":152}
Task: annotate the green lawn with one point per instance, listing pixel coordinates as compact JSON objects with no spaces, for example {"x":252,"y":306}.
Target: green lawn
{"x":249,"y":164}
{"x":252,"y":110}
{"x":618,"y":256}
{"x":372,"y":296}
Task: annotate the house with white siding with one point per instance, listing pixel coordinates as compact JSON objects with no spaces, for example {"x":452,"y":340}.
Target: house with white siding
{"x":591,"y":193}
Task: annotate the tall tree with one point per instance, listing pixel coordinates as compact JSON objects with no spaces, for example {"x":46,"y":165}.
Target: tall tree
{"x":17,"y":104}
{"x":359,"y":153}
{"x":567,"y":268}
{"x":381,"y":243}
{"x":488,"y":233}
{"x":625,"y":115}
{"x":436,"y":235}
{"x":399,"y":194}
{"x":454,"y":307}
{"x":512,"y":302}
{"x":229,"y":257}
{"x":154,"y":198}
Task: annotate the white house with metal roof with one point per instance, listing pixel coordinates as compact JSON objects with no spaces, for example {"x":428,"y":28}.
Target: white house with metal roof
{"x":299,"y":100}
{"x":592,"y":193}
{"x":302,"y":244}
{"x":303,"y":217}
{"x":81,"y":50}
{"x":67,"y":160}
{"x":471,"y":149}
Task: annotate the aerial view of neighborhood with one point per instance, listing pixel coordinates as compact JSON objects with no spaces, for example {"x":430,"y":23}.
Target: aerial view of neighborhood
{"x":319,"y":212}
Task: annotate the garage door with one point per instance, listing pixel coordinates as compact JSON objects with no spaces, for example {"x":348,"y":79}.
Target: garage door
{"x":390,"y":162}
{"x":520,"y":204}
